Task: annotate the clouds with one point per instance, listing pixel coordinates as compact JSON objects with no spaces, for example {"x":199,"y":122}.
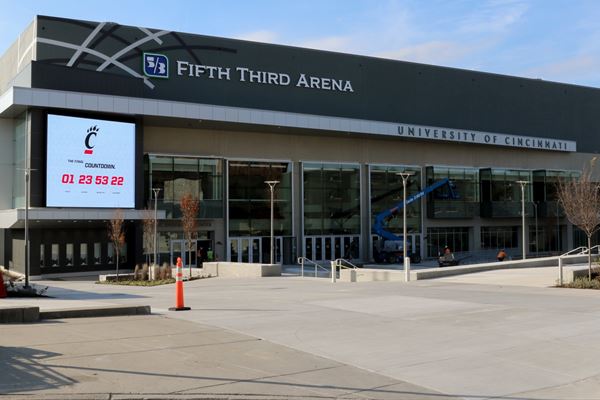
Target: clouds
{"x":445,"y":33}
{"x":433,"y":52}
{"x":496,"y":16}
{"x":579,"y":68}
{"x":556,"y":40}
{"x":264,"y":36}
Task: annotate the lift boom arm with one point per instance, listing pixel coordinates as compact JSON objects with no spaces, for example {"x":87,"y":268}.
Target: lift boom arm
{"x":380,"y":219}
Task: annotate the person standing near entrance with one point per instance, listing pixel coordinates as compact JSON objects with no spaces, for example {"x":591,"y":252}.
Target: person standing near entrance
{"x":201,"y":257}
{"x":501,"y":255}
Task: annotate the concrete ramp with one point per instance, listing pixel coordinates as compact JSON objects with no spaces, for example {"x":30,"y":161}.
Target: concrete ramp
{"x":374,"y":274}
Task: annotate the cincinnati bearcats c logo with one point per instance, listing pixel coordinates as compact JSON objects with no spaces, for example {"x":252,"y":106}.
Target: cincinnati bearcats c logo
{"x":92,"y":131}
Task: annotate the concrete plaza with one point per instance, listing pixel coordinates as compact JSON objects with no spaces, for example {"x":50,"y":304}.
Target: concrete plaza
{"x":474,"y":337}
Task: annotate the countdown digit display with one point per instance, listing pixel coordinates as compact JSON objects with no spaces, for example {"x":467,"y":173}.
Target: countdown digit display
{"x":90,"y":163}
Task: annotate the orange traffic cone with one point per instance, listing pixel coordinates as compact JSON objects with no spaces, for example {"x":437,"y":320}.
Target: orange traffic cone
{"x":3,"y":293}
{"x":179,"y":289}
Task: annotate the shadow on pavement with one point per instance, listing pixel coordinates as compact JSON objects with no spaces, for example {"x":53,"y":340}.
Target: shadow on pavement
{"x":21,"y":370}
{"x":73,"y":294}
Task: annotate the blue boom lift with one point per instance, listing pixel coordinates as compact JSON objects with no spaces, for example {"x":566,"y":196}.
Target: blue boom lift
{"x":389,"y":248}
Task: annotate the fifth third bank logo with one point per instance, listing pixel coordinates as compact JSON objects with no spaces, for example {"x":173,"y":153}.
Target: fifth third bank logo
{"x":156,"y":65}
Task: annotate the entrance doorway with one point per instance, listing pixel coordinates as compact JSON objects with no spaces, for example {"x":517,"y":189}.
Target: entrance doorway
{"x":200,"y":251}
{"x":321,"y":248}
{"x":254,"y":249}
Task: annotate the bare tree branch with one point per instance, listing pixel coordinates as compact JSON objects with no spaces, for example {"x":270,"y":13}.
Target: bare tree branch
{"x":190,"y":207}
{"x":148,"y":232}
{"x":116,"y":234}
{"x":580,"y":198}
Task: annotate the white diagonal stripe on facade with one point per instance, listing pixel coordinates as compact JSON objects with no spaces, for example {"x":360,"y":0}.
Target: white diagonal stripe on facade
{"x":85,"y":43}
{"x":125,"y":50}
{"x":99,"y":55}
{"x":147,"y":32}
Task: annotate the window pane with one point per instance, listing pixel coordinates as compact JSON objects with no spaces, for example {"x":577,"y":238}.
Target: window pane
{"x":250,"y":198}
{"x":331,"y":198}
{"x":83,"y":260}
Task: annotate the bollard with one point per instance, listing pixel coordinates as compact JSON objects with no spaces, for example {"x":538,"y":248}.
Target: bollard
{"x":333,"y":271}
{"x":179,"y":289}
{"x":560,"y":271}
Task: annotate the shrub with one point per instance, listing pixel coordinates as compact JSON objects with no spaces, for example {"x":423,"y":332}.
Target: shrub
{"x":138,"y":283}
{"x":584,"y":283}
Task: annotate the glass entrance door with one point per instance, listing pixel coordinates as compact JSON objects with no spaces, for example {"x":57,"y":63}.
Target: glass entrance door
{"x":179,"y":248}
{"x":252,"y":249}
{"x":322,"y":248}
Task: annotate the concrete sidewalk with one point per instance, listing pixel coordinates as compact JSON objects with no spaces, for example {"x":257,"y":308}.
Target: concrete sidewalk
{"x":470,"y":340}
{"x":145,"y":356}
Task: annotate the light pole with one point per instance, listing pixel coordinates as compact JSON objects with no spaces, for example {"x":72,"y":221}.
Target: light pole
{"x":523,"y":183}
{"x":27,"y":173}
{"x":155,"y":190}
{"x":271,"y":189}
{"x":536,"y":228}
{"x":405,"y":259}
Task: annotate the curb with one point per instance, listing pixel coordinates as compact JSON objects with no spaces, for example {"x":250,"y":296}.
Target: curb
{"x":33,"y":314}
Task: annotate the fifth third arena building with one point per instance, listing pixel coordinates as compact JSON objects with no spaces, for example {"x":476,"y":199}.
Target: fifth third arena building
{"x":96,"y":115}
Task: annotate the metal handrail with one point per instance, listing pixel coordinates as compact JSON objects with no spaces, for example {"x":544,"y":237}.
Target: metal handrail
{"x":339,"y":261}
{"x":301,"y":261}
{"x":597,"y":247}
{"x":581,"y":249}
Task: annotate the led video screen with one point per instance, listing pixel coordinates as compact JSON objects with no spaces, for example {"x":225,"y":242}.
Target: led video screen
{"x":90,"y":163}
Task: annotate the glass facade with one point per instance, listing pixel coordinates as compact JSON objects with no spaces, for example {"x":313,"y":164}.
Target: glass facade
{"x":331,"y":199}
{"x":457,"y":238}
{"x":331,"y":218}
{"x":387,"y":192}
{"x":465,"y":185}
{"x":501,"y":194}
{"x":178,"y":176}
{"x":580,"y":238}
{"x":499,"y":237}
{"x":545,"y":191}
{"x":250,"y":198}
{"x":548,"y":238}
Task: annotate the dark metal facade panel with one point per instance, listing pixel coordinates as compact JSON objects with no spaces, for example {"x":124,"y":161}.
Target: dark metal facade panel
{"x":383,"y":90}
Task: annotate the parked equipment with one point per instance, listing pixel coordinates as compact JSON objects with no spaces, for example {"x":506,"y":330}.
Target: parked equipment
{"x":388,"y":248}
{"x":447,"y":260}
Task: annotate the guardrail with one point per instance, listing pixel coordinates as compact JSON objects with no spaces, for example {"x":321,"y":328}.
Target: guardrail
{"x":596,"y":247}
{"x":339,"y":262}
{"x":302,"y":260}
{"x":581,"y":250}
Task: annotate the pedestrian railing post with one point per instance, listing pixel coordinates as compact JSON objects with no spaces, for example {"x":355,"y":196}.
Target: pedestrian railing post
{"x":560,"y":271}
{"x":333,"y":271}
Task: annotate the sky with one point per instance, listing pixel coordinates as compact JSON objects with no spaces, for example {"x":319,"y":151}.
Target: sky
{"x":555,"y":40}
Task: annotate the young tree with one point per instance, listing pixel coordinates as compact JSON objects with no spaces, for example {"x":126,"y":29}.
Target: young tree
{"x":148,"y":231}
{"x":190,"y":206}
{"x":580,"y":198}
{"x":116,"y":234}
